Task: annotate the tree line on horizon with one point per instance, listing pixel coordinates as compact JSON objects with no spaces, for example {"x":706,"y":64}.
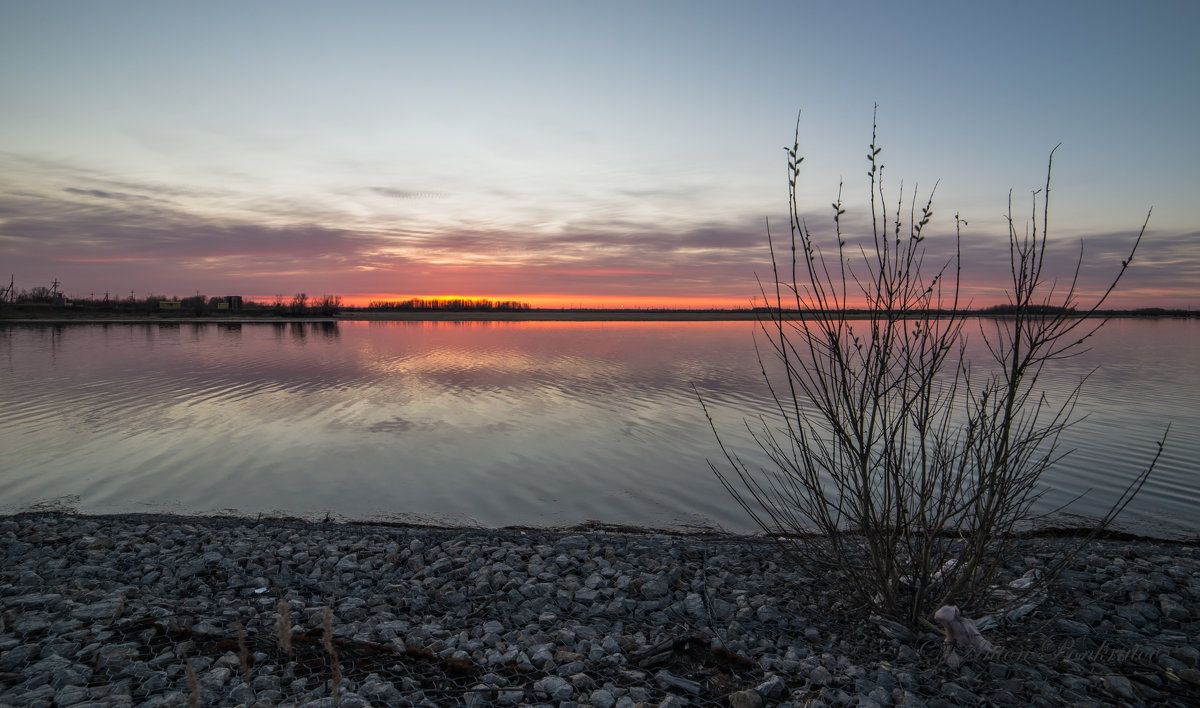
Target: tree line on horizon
{"x":299,"y":304}
{"x":447,"y":304}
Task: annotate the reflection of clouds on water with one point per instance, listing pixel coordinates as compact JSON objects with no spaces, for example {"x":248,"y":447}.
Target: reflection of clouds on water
{"x":513,"y":423}
{"x":396,"y":425}
{"x":403,"y":425}
{"x":502,"y":426}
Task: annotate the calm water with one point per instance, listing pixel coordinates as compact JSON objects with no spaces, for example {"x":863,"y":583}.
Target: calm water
{"x":492,"y":423}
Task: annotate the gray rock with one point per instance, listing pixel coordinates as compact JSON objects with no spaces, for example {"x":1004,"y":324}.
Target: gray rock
{"x":656,"y":588}
{"x":558,"y":688}
{"x":18,"y":656}
{"x":165,"y":700}
{"x":36,"y":601}
{"x":773,"y":688}
{"x":959,"y":695}
{"x":1118,"y":686}
{"x":31,"y":624}
{"x":1189,"y":655}
{"x":748,"y":698}
{"x":43,"y":694}
{"x":880,"y":695}
{"x":574,"y":543}
{"x":478,"y":695}
{"x":1173,"y":610}
{"x":71,"y":695}
{"x":1071,"y":627}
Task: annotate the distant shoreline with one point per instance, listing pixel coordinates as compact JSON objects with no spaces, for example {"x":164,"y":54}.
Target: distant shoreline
{"x":415,"y":316}
{"x":65,"y":316}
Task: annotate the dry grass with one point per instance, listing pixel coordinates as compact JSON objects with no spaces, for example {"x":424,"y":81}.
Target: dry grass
{"x":283,"y":627}
{"x":327,"y":642}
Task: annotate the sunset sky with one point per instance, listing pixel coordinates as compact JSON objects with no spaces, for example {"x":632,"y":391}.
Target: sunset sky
{"x":617,"y":154}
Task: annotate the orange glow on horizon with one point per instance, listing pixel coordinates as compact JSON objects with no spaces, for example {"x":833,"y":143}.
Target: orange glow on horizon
{"x":973,"y":298}
{"x":553,"y":302}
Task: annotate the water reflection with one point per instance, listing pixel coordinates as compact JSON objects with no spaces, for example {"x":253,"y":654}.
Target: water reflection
{"x":505,"y":423}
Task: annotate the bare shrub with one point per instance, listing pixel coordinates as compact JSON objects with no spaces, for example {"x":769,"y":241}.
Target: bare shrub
{"x":299,"y":305}
{"x":893,"y":461}
{"x":329,"y":305}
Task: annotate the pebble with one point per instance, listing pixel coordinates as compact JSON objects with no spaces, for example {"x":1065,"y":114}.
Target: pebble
{"x":114,"y":611}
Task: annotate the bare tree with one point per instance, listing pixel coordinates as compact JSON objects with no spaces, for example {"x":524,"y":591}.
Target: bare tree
{"x":891,"y":459}
{"x":299,"y":304}
{"x":330,"y":305}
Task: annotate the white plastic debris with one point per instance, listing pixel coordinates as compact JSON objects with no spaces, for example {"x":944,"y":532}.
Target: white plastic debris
{"x":1025,"y":580}
{"x":961,"y":633}
{"x":947,"y":567}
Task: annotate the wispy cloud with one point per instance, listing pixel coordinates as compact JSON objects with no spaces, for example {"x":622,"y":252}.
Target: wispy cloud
{"x":149,"y":232}
{"x":101,"y":231}
{"x":408,"y":193}
{"x":102,"y":194}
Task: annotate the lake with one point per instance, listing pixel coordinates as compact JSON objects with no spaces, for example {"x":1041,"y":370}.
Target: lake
{"x":493,"y":424}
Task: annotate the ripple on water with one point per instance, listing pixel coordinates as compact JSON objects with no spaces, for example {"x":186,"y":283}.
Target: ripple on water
{"x":506,"y":424}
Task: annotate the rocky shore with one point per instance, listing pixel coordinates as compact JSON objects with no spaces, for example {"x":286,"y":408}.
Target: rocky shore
{"x":174,"y":611}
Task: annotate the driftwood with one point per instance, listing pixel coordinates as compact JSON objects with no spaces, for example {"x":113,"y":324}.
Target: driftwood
{"x":667,"y":649}
{"x":669,"y":680}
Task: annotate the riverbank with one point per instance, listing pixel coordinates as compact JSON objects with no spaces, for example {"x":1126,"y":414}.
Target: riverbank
{"x":148,"y":609}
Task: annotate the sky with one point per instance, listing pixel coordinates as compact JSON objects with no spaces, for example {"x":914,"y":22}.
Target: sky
{"x":602,"y":154}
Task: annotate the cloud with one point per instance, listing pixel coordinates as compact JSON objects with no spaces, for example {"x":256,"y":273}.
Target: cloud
{"x":408,"y":193}
{"x":118,"y":237}
{"x":101,"y":194}
{"x":95,"y":231}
